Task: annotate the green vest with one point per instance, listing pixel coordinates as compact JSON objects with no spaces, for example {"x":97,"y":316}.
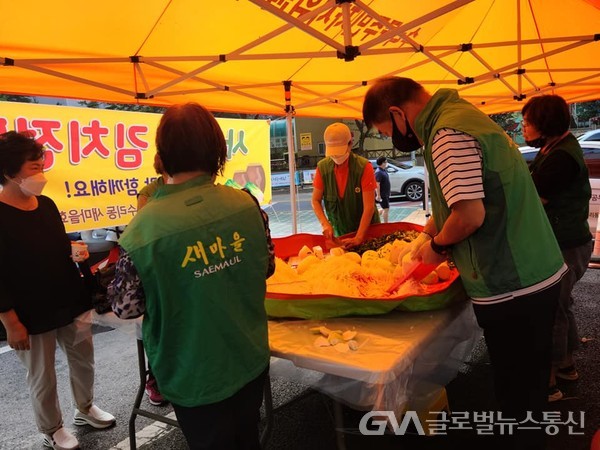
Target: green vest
{"x":515,"y":247}
{"x":201,"y":254}
{"x":344,"y":213}
{"x":568,"y":210}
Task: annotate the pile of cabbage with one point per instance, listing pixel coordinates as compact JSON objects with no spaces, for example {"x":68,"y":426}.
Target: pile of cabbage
{"x":352,"y":274}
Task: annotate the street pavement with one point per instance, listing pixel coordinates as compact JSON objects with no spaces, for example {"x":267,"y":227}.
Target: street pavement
{"x":303,"y":418}
{"x":280,"y":212}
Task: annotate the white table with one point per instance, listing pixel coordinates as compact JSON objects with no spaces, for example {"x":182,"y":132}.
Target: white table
{"x":401,"y":361}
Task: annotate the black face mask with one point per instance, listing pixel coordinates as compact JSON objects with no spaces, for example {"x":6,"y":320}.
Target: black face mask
{"x":408,"y":143}
{"x":537,"y":142}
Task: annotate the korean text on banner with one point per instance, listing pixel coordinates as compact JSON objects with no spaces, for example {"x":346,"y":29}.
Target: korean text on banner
{"x":97,"y":160}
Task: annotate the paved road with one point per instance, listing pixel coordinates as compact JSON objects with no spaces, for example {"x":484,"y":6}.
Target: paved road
{"x":280,"y":212}
{"x":281,"y":200}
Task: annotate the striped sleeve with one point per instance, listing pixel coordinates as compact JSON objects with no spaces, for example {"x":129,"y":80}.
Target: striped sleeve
{"x":457,"y":162}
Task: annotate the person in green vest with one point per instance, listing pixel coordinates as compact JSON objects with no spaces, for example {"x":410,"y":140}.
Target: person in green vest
{"x":195,"y":262}
{"x":563,"y":184}
{"x":488,"y":218}
{"x":345,"y":183}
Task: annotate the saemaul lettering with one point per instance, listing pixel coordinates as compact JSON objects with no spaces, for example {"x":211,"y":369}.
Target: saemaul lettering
{"x":217,"y":267}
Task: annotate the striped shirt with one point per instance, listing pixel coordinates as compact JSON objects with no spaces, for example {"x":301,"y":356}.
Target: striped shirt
{"x":458,"y":164}
{"x":457,"y":161}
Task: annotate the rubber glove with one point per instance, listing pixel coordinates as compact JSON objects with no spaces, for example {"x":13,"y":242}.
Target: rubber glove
{"x":413,"y":247}
{"x":328,"y":231}
{"x":416,"y":244}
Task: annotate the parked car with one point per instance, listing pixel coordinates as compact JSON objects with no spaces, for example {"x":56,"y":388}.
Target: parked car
{"x":405,"y":179}
{"x":591,"y":156}
{"x":592,"y":135}
{"x":528,"y":153}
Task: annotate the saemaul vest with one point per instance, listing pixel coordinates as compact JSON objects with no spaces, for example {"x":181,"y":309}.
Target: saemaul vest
{"x":201,"y":254}
{"x":344,"y":213}
{"x":515,"y":247}
{"x":568,"y":210}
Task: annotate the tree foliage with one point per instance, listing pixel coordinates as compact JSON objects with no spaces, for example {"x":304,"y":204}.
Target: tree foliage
{"x":16,"y":98}
{"x":229,"y":115}
{"x":505,"y":120}
{"x":122,"y":107}
{"x":363,"y":130}
{"x":587,"y":111}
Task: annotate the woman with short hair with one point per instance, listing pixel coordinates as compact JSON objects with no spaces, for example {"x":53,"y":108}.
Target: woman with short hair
{"x":561,"y":179}
{"x":195,"y":263}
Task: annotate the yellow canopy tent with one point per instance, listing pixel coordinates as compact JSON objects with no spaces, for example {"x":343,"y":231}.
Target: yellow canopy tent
{"x":235,"y":55}
{"x":243,"y":55}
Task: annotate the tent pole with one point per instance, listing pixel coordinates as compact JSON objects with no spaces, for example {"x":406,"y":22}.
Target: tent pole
{"x":346,"y":24}
{"x":289,"y":112}
{"x":292,"y":164}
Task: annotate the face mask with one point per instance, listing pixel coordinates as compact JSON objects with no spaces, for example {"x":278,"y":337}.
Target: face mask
{"x":340,"y":159}
{"x":33,"y":185}
{"x":408,"y":143}
{"x":537,"y":142}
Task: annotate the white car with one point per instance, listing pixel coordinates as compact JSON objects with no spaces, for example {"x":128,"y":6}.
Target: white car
{"x":528,"y":153}
{"x":591,"y":155}
{"x":405,"y":180}
{"x":590,"y":136}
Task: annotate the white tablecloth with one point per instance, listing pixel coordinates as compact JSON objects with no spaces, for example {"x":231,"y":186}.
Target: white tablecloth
{"x":402,"y":356}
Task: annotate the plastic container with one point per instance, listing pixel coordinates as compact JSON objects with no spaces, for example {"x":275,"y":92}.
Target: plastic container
{"x":315,"y":306}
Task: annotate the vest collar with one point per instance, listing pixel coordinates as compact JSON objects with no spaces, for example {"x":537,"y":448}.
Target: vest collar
{"x":429,"y":113}
{"x":168,"y":189}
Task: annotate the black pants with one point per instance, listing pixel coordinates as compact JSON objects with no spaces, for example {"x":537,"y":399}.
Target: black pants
{"x":518,"y":334}
{"x":231,"y":424}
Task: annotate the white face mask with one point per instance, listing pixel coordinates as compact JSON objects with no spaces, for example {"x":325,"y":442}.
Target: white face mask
{"x":340,"y":159}
{"x":33,"y":185}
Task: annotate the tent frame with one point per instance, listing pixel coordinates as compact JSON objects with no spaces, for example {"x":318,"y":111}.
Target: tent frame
{"x":345,"y":50}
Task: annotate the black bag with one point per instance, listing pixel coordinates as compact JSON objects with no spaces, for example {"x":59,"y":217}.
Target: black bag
{"x":97,"y":282}
{"x":103,"y":278}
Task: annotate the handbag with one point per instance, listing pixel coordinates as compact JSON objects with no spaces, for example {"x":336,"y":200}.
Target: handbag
{"x":98,"y":277}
